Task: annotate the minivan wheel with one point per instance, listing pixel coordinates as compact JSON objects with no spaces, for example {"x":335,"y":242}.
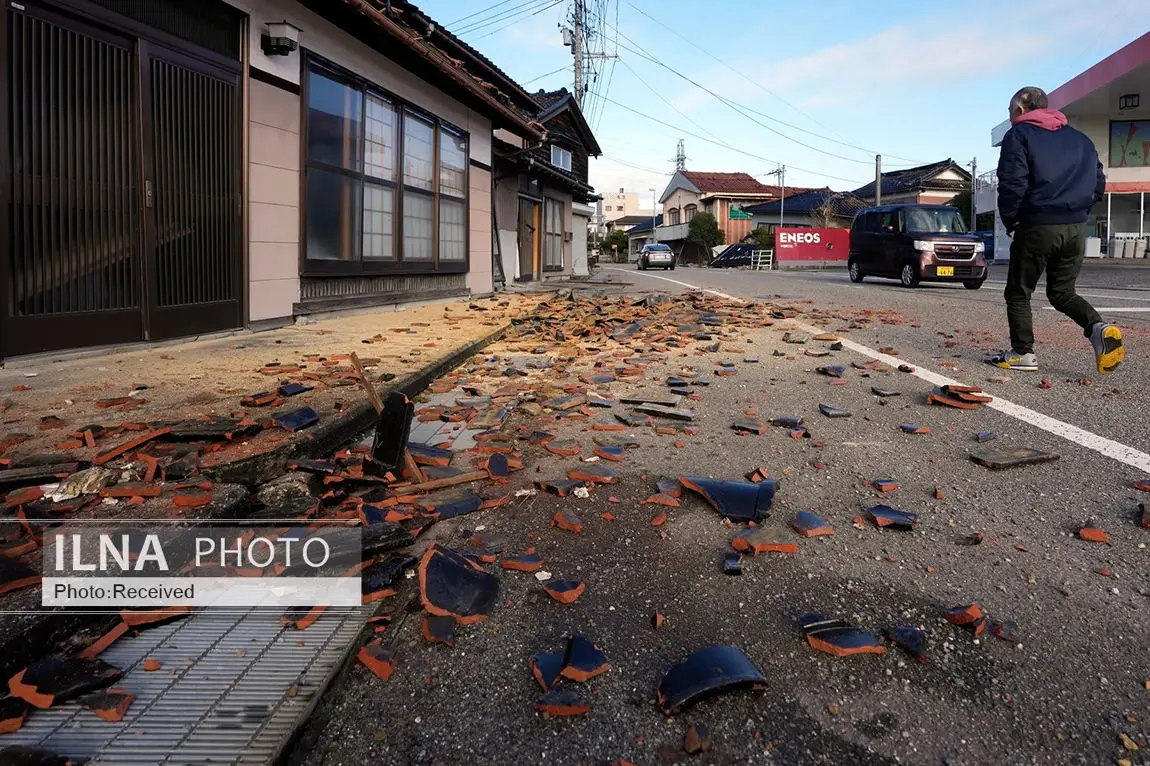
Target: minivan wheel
{"x":855,"y":272}
{"x":909,"y":275}
{"x":973,"y":284}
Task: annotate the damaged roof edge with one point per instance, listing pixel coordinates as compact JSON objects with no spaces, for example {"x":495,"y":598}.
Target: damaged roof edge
{"x":443,"y":63}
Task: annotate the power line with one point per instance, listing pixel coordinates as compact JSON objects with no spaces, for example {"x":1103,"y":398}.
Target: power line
{"x":645,"y":169}
{"x":724,"y":145}
{"x":513,"y":22}
{"x":736,"y":107}
{"x":540,"y":77}
{"x":768,"y":91}
{"x":658,"y":96}
{"x":477,"y":13}
{"x":509,"y":14}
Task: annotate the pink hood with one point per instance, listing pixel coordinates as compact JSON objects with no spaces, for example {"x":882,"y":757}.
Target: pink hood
{"x":1050,"y":119}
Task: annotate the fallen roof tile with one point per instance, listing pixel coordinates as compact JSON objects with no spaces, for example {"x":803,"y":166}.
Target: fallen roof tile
{"x":568,"y":521}
{"x":378,"y":658}
{"x":833,"y":412}
{"x":564,"y":591}
{"x":54,"y":680}
{"x":750,"y":425}
{"x":547,"y":668}
{"x":528,"y":562}
{"x":736,"y":500}
{"x":964,"y":615}
{"x":560,"y":487}
{"x":914,"y":428}
{"x":562,"y":447}
{"x":561,"y":702}
{"x":111,"y":705}
{"x":808,"y":524}
{"x":697,"y":739}
{"x":1094,"y":535}
{"x":439,"y":629}
{"x":757,"y":540}
{"x":996,"y":459}
{"x":450,"y":584}
{"x":839,"y":638}
{"x":911,"y":639}
{"x":583,"y":660}
{"x":707,"y":671}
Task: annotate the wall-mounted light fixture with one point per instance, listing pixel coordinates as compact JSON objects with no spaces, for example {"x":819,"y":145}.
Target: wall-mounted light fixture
{"x":282,"y":38}
{"x":1128,"y":101}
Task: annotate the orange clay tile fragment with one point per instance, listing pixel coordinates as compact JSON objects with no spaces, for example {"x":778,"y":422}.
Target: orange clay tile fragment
{"x":661,"y":499}
{"x":564,"y":591}
{"x":657,"y":620}
{"x":13,"y":711}
{"x":1094,"y":535}
{"x":152,"y":664}
{"x":567,"y":521}
{"x":885,"y":485}
{"x":659,"y":520}
{"x":607,"y":516}
{"x":191,"y":501}
{"x":378,"y":658}
{"x":111,"y":705}
{"x":97,"y":647}
{"x":964,"y":615}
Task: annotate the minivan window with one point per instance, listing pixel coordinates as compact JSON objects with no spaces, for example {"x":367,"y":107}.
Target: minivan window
{"x":934,"y":221}
{"x":888,"y":223}
{"x":872,"y":222}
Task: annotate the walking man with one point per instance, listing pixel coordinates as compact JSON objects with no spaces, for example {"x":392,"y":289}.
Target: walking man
{"x":1049,"y":177}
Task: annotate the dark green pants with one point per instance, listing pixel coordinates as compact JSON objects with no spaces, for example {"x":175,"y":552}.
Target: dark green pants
{"x":1058,"y":250}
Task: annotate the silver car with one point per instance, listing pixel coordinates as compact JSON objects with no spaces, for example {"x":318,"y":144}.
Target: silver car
{"x":656,"y":255}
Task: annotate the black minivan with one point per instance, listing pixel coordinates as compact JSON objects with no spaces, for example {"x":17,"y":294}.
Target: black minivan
{"x":916,"y":243}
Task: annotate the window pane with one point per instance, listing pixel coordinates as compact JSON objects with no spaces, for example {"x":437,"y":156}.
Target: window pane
{"x":332,"y":207}
{"x":452,"y":164}
{"x":418,"y":140}
{"x":379,"y":139}
{"x":418,"y":236}
{"x":378,"y":222}
{"x":333,"y":121}
{"x":452,"y":231}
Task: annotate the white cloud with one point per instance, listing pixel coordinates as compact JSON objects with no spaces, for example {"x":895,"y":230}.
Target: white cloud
{"x":940,"y":52}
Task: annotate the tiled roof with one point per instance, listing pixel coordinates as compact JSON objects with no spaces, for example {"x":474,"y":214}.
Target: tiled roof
{"x":913,"y":179}
{"x":546,"y":99}
{"x":729,"y":183}
{"x":842,"y":204}
{"x":645,"y":226}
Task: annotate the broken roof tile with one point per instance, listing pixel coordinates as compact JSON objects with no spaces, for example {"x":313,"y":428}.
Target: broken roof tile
{"x":561,"y":702}
{"x":378,"y":657}
{"x":832,"y":370}
{"x":833,"y":412}
{"x":733,"y":564}
{"x":568,"y":521}
{"x":54,"y":680}
{"x":808,"y":524}
{"x":111,"y":705}
{"x":787,"y":422}
{"x":612,"y":453}
{"x":561,"y":487}
{"x":996,"y":459}
{"x":593,"y":474}
{"x":562,"y":447}
{"x":547,"y":668}
{"x":297,"y":420}
{"x":885,"y":485}
{"x":911,"y":639}
{"x":564,"y":591}
{"x":439,"y":629}
{"x":583,"y":660}
{"x":451,"y":584}
{"x":750,"y":426}
{"x":528,"y":562}
{"x":964,"y":615}
{"x":705,"y":672}
{"x":839,"y":638}
{"x":914,"y":428}
{"x":757,"y":540}
{"x":1094,"y":535}
{"x":736,"y":500}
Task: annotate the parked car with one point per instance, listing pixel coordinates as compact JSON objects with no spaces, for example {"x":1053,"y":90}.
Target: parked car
{"x":656,"y":255}
{"x":916,"y":243}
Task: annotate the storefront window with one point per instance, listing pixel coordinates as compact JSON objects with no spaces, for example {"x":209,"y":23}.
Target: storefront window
{"x":385,"y":185}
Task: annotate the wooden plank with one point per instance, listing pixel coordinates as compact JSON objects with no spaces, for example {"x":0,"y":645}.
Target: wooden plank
{"x":365,"y":384}
{"x":450,"y":481}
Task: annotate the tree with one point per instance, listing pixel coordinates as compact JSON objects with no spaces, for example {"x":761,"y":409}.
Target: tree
{"x":763,"y":237}
{"x":703,"y":233}
{"x":619,"y":240}
{"x":984,"y":222}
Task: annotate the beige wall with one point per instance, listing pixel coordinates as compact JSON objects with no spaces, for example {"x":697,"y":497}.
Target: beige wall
{"x":628,"y":200}
{"x":1098,"y":129}
{"x":680,"y":198}
{"x":328,"y":41}
{"x":273,"y":201}
{"x":479,"y":278}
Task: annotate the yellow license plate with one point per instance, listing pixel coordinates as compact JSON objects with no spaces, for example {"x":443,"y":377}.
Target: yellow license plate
{"x":946,"y":271}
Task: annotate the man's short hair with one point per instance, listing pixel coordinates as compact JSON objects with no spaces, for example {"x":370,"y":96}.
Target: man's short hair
{"x":1028,"y":99}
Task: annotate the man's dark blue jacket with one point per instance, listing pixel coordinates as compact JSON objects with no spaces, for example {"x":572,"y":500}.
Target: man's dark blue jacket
{"x":1048,"y":172}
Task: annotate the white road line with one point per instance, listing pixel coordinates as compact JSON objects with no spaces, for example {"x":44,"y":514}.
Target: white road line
{"x":1091,"y":295}
{"x":1123,"y":309}
{"x":1100,"y":444}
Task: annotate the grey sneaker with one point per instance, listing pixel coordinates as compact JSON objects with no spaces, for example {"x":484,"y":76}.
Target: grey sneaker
{"x":1108,"y":350}
{"x":1011,"y":360}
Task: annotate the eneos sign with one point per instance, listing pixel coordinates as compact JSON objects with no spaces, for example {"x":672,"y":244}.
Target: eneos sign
{"x":812,"y":244}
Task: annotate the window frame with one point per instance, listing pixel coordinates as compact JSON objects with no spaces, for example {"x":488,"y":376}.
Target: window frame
{"x":402,"y":109}
{"x":549,"y":204}
{"x":565,"y":151}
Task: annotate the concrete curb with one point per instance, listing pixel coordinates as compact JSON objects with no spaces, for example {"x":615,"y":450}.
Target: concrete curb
{"x":331,"y":433}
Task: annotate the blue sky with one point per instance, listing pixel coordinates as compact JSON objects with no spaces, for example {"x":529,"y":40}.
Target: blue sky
{"x":916,"y":82}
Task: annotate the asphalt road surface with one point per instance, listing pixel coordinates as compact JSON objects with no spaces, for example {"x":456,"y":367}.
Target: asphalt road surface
{"x":1069,"y":687}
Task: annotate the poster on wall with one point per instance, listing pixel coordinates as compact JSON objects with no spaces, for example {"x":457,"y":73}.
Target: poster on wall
{"x":1130,"y":144}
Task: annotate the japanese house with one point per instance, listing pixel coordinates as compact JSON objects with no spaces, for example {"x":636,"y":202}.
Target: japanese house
{"x":172,"y":168}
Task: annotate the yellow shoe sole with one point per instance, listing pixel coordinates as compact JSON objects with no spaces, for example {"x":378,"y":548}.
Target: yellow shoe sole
{"x":1112,"y":350}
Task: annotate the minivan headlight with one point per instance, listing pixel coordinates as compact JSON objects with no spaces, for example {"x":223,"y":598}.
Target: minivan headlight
{"x":926,"y":247}
{"x":980,"y":247}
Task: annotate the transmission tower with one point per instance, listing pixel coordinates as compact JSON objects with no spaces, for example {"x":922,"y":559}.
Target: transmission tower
{"x":680,"y":156}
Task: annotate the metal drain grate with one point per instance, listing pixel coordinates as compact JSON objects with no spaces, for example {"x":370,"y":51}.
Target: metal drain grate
{"x":224,"y":693}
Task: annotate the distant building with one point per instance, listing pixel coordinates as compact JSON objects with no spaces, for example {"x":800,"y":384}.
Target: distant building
{"x":614,"y":206}
{"x":815,"y":208}
{"x":933,"y":184}
{"x":1110,"y":102}
{"x":723,"y":195}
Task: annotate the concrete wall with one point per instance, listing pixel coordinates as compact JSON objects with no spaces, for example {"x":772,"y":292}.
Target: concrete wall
{"x":273,"y":201}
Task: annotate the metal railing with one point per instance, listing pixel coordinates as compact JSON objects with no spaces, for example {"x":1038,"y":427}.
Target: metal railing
{"x":762,"y":259}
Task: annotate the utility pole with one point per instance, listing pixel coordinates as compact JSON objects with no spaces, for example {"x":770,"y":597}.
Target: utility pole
{"x":781,"y":172}
{"x":878,"y":179}
{"x":577,"y":52}
{"x":654,"y":237}
{"x":973,"y":205}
